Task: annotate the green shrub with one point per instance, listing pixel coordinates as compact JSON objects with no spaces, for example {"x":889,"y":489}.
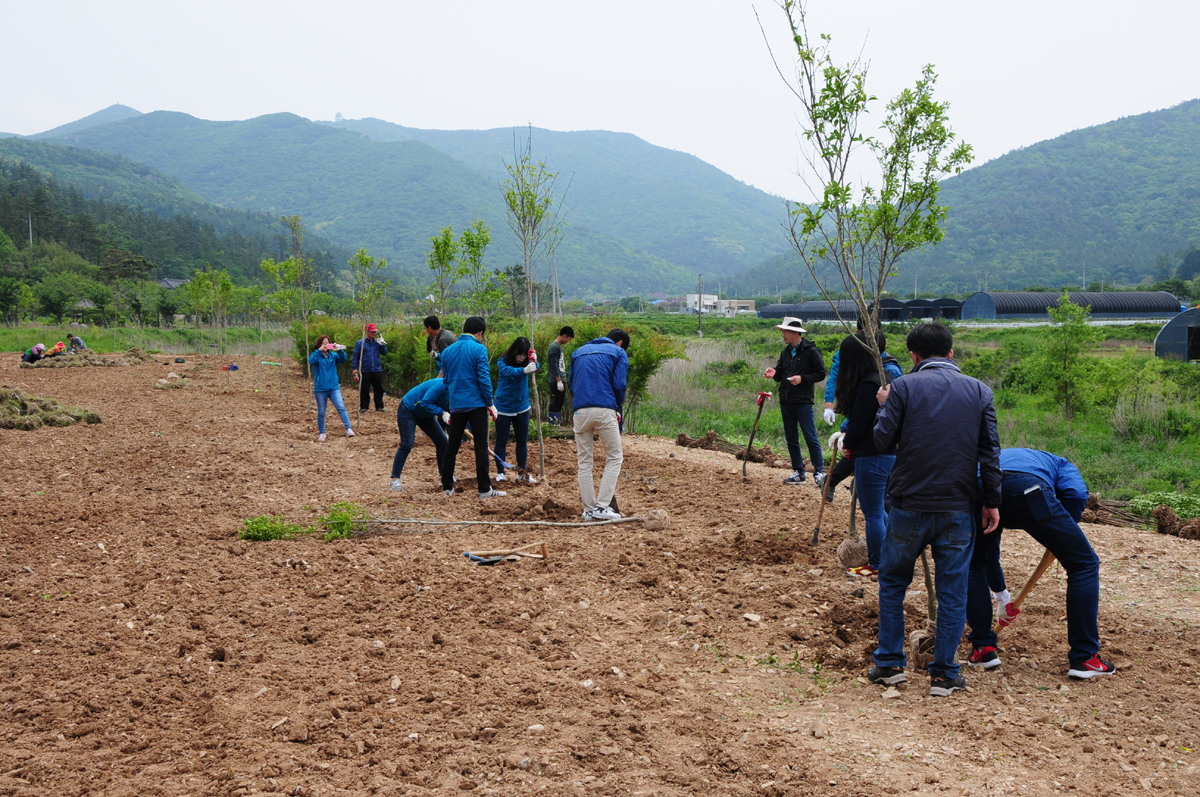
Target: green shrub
{"x":268,"y":527}
{"x":343,"y":520}
{"x":1184,"y":505}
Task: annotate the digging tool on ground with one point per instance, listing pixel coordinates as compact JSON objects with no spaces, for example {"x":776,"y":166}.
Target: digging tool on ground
{"x":824,"y":490}
{"x":763,"y":397}
{"x":1043,"y":566}
{"x":471,"y":437}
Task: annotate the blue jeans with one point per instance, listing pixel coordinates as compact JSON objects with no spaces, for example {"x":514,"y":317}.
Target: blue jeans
{"x":520,"y":427}
{"x":870,"y":480}
{"x":949,"y":534}
{"x":801,"y":416}
{"x":336,"y":397}
{"x":408,"y":423}
{"x":1029,"y":503}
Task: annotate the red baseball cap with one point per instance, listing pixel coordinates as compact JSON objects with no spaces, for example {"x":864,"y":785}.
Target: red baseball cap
{"x":372,"y":328}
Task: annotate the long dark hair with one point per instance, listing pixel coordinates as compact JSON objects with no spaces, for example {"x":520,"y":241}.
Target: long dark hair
{"x":519,"y":346}
{"x":856,"y":364}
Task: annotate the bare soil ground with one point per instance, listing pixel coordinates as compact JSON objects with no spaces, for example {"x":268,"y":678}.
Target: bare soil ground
{"x":144,"y":650}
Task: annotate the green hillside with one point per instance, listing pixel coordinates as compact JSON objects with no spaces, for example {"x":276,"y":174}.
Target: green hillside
{"x":390,"y":197}
{"x":658,"y":200}
{"x":1112,"y":198}
{"x":113,"y":113}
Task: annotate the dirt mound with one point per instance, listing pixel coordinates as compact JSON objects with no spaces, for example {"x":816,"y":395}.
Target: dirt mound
{"x":87,"y":357}
{"x":21,"y":410}
{"x":1167,"y":522}
{"x":711,"y":441}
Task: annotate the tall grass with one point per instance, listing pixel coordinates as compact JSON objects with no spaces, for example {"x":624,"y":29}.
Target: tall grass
{"x":179,"y":340}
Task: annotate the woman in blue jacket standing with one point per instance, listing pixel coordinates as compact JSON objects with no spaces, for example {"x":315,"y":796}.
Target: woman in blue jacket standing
{"x":421,"y":406}
{"x":324,"y":361}
{"x":512,"y":403}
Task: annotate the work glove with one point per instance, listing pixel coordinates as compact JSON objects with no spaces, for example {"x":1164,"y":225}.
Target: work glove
{"x":835,"y":441}
{"x":446,"y":418}
{"x":532,"y":355}
{"x":433,"y":354}
{"x":381,"y":341}
{"x":830,"y":418}
{"x":531,"y":367}
{"x":561,"y":389}
{"x":492,"y":411}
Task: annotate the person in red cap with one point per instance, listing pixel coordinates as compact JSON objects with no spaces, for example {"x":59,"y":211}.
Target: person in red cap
{"x":367,"y":364}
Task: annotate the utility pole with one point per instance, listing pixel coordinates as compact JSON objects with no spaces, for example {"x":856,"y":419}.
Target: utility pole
{"x":31,"y":229}
{"x":914,"y":285}
{"x":700,"y":309}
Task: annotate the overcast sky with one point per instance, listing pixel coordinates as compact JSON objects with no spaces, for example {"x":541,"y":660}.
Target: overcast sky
{"x":693,"y":76}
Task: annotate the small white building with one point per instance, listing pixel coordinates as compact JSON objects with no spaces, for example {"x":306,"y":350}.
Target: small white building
{"x":711,"y":302}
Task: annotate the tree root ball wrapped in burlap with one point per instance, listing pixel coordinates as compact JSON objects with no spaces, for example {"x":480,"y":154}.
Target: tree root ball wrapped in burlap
{"x":852,"y":553}
{"x":657,"y":520}
{"x":920,"y":649}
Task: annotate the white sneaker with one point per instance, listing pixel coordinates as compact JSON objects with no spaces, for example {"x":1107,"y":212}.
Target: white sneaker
{"x":603,"y":513}
{"x":321,"y":437}
{"x":500,"y":477}
{"x":587,"y":515}
{"x":395,"y":485}
{"x":531,"y":480}
{"x":493,"y":493}
{"x":448,"y":493}
{"x":349,"y":433}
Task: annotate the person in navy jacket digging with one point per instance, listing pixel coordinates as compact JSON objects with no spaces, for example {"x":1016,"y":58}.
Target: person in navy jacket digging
{"x":469,"y":391}
{"x":421,"y":407}
{"x":512,"y":405}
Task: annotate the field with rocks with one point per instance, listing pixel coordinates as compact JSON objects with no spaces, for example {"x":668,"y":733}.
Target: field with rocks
{"x":146,"y":650}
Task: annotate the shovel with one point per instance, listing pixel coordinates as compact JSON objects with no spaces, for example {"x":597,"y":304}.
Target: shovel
{"x":762,"y":399}
{"x":824,"y":491}
{"x":1047,"y":560}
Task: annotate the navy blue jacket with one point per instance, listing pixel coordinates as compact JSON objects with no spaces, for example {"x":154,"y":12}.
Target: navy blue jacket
{"x":943,"y":425}
{"x":468,"y":378}
{"x":371,"y":357}
{"x":598,"y":374}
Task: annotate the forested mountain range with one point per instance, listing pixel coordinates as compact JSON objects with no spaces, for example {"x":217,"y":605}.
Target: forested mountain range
{"x":392,"y":195}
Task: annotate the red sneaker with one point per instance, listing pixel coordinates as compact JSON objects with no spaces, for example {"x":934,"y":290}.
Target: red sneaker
{"x":1009,"y":614}
{"x":985,"y":658}
{"x":1091,"y":668}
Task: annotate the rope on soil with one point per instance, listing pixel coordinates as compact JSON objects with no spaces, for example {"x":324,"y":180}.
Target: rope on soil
{"x":21,"y":410}
{"x":711,"y":441}
{"x":87,"y":357}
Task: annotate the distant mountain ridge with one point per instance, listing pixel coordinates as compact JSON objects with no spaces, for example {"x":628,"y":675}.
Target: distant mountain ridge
{"x":113,"y":113}
{"x":631,"y":230}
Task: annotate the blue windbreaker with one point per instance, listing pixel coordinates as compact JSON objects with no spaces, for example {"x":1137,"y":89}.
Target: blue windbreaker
{"x":372,"y":361}
{"x":891,"y":367}
{"x":325,"y":378}
{"x":468,"y":378}
{"x":512,"y":389}
{"x":428,"y":399}
{"x":1069,"y":486}
{"x":598,"y":374}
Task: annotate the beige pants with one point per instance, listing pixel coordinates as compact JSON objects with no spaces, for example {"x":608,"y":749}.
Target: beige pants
{"x":602,"y":422}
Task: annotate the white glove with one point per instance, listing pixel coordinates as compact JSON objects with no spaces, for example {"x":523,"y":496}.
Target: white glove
{"x":835,"y":441}
{"x":433,"y":353}
{"x":381,"y":341}
{"x":560,"y":386}
{"x":492,"y":412}
{"x":830,"y":418}
{"x":531,"y":367}
{"x":446,"y":418}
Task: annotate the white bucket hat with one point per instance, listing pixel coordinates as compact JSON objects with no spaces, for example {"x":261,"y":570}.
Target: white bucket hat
{"x":792,"y":324}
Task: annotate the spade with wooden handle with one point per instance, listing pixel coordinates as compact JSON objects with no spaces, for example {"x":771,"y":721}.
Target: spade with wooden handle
{"x":1047,"y":559}
{"x":825,"y":488}
{"x":763,"y":397}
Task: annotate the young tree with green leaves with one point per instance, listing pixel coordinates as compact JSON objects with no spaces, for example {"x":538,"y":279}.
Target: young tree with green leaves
{"x":368,"y":291}
{"x":537,"y":218}
{"x":856,"y":229}
{"x":1061,"y":362}
{"x":442,"y":258}
{"x":485,"y":288}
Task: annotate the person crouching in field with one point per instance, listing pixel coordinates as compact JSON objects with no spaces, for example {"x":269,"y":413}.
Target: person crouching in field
{"x":75,"y":343}
{"x":34,"y":353}
{"x":799,"y":369}
{"x":421,"y":407}
{"x":512,"y":405}
{"x":324,"y":361}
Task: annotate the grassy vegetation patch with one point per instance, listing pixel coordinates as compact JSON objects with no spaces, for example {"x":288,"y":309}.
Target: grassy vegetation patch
{"x":21,"y":410}
{"x":343,"y":520}
{"x":268,"y":527}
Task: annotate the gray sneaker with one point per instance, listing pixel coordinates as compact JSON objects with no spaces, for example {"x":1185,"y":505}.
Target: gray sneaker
{"x":395,"y":485}
{"x":797,"y":477}
{"x":819,"y":480}
{"x":448,"y":493}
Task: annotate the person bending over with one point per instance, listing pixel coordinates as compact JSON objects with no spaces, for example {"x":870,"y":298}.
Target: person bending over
{"x":421,"y":408}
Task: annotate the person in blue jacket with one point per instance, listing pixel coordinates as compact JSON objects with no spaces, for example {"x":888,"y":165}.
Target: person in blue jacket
{"x":469,"y":393}
{"x":421,"y":407}
{"x":1045,"y":495}
{"x":324,"y":361}
{"x":512,"y":405}
{"x":367,"y":363}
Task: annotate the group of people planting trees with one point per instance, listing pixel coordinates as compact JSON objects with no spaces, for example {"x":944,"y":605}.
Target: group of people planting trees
{"x":922,"y":447}
{"x":461,"y":399}
{"x":929,"y":472}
